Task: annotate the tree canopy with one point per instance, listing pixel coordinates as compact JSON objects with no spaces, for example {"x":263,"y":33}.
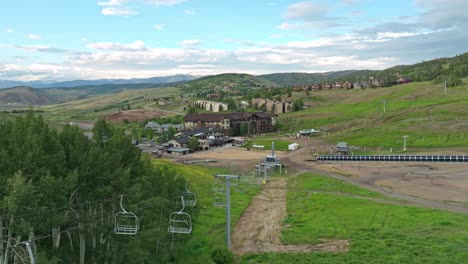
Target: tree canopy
{"x":61,"y":190}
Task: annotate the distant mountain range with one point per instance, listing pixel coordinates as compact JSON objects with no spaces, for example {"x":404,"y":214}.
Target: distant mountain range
{"x":452,"y":70}
{"x":24,"y":96}
{"x":76,"y":83}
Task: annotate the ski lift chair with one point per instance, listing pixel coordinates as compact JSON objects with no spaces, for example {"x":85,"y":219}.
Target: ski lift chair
{"x":189,"y":198}
{"x":180,"y":222}
{"x":125,"y":223}
{"x":219,"y":200}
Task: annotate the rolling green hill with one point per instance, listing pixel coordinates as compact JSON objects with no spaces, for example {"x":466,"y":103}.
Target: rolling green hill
{"x":443,"y":69}
{"x":419,"y":110}
{"x":24,"y":96}
{"x":228,"y":80}
{"x":439,"y":70}
{"x":299,"y":78}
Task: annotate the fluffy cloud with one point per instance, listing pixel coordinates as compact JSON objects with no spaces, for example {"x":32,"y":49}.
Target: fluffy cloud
{"x":138,"y":45}
{"x":158,"y":26}
{"x":9,"y":30}
{"x":386,"y":43}
{"x":42,"y":48}
{"x":118,"y":8}
{"x":113,"y":3}
{"x":162,"y":2}
{"x":189,"y":12}
{"x":305,"y":11}
{"x":189,"y":42}
{"x":118,"y":11}
{"x":33,"y":36}
{"x":307,"y":15}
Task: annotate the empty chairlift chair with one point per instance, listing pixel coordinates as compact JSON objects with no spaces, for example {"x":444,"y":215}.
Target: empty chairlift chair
{"x":219,"y":195}
{"x":189,"y":198}
{"x":180,"y":222}
{"x":125,"y":223}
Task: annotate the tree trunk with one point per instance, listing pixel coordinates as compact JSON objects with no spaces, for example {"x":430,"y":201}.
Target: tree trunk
{"x":8,"y":246}
{"x":56,"y":235}
{"x":82,"y":245}
{"x":1,"y":240}
{"x":15,"y":257}
{"x":33,"y":244}
{"x":71,"y":241}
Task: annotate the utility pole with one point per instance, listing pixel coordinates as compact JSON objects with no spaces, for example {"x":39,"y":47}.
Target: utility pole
{"x":404,"y":142}
{"x":445,"y":88}
{"x":228,"y":205}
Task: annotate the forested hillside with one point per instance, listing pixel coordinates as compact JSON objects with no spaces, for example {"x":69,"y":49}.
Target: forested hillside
{"x":439,"y":70}
{"x":60,"y":191}
{"x":226,"y":81}
{"x":300,"y":78}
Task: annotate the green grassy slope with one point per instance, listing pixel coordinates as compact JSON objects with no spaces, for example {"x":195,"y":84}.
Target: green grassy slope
{"x":419,"y":110}
{"x":24,"y":96}
{"x":378,"y":232}
{"x":232,"y":79}
{"x":209,"y":225}
{"x":299,"y":78}
{"x":85,"y":109}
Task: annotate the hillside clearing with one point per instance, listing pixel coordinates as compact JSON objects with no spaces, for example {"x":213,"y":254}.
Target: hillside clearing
{"x":378,"y":232}
{"x":259,"y":228}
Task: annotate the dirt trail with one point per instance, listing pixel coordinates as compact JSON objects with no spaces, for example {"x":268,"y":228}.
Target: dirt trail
{"x":259,"y":228}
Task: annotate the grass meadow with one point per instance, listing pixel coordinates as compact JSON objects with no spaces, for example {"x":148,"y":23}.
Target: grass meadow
{"x":379,"y":231}
{"x":209,"y":226}
{"x":419,"y":110}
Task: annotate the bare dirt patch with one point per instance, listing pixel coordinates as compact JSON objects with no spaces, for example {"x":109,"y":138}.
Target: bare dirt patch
{"x":242,"y":159}
{"x":259,"y":228}
{"x":135,"y":115}
{"x":444,"y":183}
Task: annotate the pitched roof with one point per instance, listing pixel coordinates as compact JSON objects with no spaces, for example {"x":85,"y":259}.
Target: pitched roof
{"x":178,"y":149}
{"x":202,"y":130}
{"x":211,"y":117}
{"x":182,"y":140}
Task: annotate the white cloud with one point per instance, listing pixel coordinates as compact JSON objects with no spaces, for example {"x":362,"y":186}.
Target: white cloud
{"x":118,"y":11}
{"x":189,"y":12}
{"x":305,"y":11}
{"x":137,"y":45}
{"x":275,"y":36}
{"x":189,"y":42}
{"x":308,"y":15}
{"x":119,"y":8}
{"x":392,"y":42}
{"x":356,"y":13}
{"x":41,"y":48}
{"x":162,"y":2}
{"x":113,"y":3}
{"x":158,"y":26}
{"x":9,"y":30}
{"x":289,"y":26}
{"x":33,"y":36}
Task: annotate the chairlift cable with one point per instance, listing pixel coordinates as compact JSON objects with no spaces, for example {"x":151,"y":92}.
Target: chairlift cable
{"x":59,"y":209}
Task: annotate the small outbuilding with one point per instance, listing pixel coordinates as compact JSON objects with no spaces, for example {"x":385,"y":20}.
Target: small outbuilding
{"x":342,"y":148}
{"x":293,"y":146}
{"x":178,"y":151}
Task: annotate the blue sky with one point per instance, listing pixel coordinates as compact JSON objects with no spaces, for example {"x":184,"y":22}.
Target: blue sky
{"x":88,"y":39}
